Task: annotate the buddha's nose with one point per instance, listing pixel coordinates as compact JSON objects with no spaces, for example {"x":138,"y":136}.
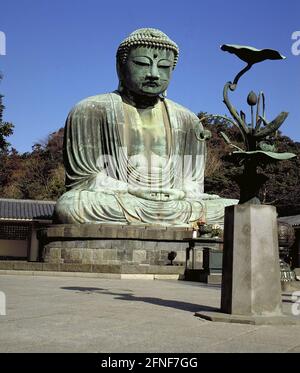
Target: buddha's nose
{"x":153,"y":73}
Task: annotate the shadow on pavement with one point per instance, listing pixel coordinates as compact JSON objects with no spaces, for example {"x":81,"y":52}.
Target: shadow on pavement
{"x":184,"y":306}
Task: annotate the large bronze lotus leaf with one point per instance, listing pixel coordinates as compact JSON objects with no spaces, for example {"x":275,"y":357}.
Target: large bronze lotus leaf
{"x":261,"y":157}
{"x":252,"y":55}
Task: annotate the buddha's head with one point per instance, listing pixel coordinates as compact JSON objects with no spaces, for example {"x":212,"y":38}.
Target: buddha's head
{"x":145,"y":61}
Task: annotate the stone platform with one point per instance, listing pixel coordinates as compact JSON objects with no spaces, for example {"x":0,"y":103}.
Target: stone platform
{"x":108,"y":245}
{"x":249,"y":319}
{"x":116,"y":271}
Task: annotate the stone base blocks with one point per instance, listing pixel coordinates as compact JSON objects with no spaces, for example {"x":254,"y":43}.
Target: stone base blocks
{"x":95,"y":244}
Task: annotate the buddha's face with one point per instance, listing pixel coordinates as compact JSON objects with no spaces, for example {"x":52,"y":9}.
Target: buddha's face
{"x":147,"y":71}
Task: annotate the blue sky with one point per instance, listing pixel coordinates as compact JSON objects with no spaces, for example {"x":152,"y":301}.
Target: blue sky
{"x":60,"y":51}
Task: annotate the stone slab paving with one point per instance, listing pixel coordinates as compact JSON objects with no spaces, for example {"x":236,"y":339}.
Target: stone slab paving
{"x":72,"y":314}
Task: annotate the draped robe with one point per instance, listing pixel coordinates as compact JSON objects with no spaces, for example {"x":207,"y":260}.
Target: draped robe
{"x":103,"y":186}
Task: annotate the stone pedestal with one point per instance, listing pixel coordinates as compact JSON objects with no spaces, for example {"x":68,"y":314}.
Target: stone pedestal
{"x":251,"y":273}
{"x":251,"y":288}
{"x":134,"y":249}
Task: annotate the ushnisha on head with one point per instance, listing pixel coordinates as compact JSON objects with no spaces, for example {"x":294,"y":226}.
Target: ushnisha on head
{"x":145,"y":61}
{"x":146,"y":37}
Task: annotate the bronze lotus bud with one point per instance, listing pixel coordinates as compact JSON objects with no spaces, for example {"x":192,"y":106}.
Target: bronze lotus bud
{"x":252,"y":99}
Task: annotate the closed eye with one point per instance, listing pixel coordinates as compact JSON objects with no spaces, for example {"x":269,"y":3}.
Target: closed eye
{"x":164,"y":64}
{"x":141,"y":63}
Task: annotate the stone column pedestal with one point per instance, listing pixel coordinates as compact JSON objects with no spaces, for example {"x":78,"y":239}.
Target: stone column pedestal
{"x":251,"y":288}
{"x":251,"y":276}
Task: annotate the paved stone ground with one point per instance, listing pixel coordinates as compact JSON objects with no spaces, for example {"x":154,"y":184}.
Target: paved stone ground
{"x":71,"y":314}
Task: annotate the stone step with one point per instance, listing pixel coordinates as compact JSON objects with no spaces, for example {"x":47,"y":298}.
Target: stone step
{"x":92,"y":268}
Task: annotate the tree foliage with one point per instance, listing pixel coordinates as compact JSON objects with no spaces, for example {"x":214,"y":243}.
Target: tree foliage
{"x":6,"y":128}
{"x":38,"y":174}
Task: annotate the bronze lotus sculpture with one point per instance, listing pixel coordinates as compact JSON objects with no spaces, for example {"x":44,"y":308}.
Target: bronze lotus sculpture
{"x":258,"y":135}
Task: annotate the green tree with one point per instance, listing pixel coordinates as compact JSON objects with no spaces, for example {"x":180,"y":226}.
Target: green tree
{"x":38,"y":174}
{"x":45,"y":175}
{"x":6,"y":128}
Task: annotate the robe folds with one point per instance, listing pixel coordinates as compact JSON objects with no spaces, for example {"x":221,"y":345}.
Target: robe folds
{"x":104,"y":186}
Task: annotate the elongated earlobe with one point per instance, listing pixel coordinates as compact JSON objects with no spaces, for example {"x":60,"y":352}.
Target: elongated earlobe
{"x":120,"y":86}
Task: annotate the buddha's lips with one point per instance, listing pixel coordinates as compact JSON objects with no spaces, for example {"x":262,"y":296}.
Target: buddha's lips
{"x":151,"y":84}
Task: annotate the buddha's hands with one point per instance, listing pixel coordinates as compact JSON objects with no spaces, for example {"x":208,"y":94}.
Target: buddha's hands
{"x":157,"y":194}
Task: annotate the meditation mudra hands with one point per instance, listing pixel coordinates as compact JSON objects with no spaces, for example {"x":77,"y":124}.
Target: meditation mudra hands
{"x":155,"y":194}
{"x":166,"y":194}
{"x":108,"y":185}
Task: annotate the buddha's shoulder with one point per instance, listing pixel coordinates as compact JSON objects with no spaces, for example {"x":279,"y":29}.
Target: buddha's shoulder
{"x":180,"y":109}
{"x":101,"y":101}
